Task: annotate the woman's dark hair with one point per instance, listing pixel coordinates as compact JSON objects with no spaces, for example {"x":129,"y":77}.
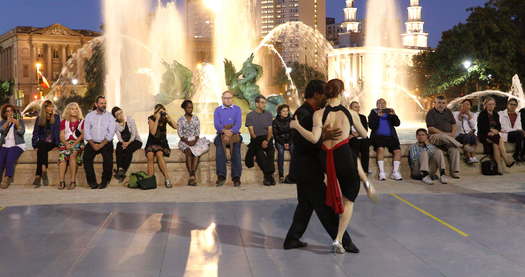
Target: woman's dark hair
{"x":4,"y":108}
{"x":185,"y":103}
{"x":159,"y":107}
{"x":422,"y":130}
{"x":114,"y":111}
{"x":513,"y":100}
{"x":281,"y":107}
{"x":334,"y":88}
{"x":467,"y":100}
{"x":313,"y":87}
{"x":353,"y":102}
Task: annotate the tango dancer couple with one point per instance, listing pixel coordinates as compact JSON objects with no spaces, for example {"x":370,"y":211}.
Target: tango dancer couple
{"x":322,"y":126}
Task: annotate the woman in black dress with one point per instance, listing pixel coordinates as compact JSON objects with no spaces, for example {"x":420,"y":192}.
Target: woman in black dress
{"x":489,"y":127}
{"x":339,"y":161}
{"x":157,"y":145}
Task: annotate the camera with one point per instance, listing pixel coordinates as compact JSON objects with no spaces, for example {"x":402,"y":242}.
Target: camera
{"x":387,"y":110}
{"x":163,"y":114}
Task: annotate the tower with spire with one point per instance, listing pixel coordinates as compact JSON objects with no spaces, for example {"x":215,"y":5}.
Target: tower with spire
{"x":350,"y":27}
{"x":415,"y":37}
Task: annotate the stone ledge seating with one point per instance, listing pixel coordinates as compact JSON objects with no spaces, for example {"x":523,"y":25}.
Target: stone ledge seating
{"x":26,"y":166}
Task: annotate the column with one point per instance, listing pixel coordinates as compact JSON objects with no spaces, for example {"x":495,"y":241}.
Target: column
{"x":49,"y":62}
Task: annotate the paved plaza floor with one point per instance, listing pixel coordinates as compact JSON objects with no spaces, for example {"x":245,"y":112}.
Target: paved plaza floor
{"x":472,"y":227}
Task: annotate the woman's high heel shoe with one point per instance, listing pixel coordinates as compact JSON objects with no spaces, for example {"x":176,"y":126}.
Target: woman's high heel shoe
{"x":61,"y":185}
{"x":511,"y":164}
{"x":72,"y":185}
{"x":338,"y":248}
{"x":371,"y":192}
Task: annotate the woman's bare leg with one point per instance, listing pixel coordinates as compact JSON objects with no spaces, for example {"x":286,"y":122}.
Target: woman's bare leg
{"x":62,"y":167}
{"x":151,"y":163}
{"x":162,"y":164}
{"x":73,"y":166}
{"x":344,"y":218}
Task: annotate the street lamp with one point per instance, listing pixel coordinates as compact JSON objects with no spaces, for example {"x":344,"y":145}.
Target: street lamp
{"x":467,"y":64}
{"x":38,"y":66}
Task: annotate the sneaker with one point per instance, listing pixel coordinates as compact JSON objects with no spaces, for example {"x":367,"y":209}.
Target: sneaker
{"x":382,"y":176}
{"x":396,"y":176}
{"x":338,"y":248}
{"x":45,"y":180}
{"x":443,"y":179}
{"x":474,"y":160}
{"x":455,"y":175}
{"x":281,"y":179}
{"x":427,"y":180}
{"x":236,"y":182}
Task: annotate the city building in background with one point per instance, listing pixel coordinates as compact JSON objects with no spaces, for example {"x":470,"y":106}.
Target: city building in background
{"x":351,"y":34}
{"x":25,"y":50}
{"x":415,"y":37}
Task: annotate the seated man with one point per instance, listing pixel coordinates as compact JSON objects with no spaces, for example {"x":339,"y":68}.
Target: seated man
{"x":466,"y":131}
{"x":511,"y":128}
{"x":425,"y":159}
{"x":442,"y":128}
{"x":259,"y":123}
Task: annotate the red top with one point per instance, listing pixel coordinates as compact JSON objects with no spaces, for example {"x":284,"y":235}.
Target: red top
{"x":72,"y":126}
{"x":513,"y":117}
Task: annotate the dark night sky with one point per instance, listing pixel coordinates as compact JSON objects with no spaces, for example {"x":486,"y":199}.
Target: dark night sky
{"x":439,"y":15}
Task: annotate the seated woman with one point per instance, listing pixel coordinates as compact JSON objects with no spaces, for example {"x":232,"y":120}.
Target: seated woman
{"x":12,"y":143}
{"x":190,"y":143}
{"x":157,"y":145}
{"x":46,"y":137}
{"x":128,"y":142}
{"x":71,"y":144}
{"x":489,"y":128}
{"x":283,"y":141}
{"x":339,"y":162}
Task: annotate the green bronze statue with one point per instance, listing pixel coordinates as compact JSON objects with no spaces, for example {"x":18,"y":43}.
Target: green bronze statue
{"x":176,"y":83}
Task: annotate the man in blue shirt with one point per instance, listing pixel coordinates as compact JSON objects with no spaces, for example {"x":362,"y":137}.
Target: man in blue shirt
{"x":227,"y":120}
{"x":99,"y":129}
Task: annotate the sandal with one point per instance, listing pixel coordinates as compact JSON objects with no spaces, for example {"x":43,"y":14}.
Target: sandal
{"x":61,"y":185}
{"x":72,"y":185}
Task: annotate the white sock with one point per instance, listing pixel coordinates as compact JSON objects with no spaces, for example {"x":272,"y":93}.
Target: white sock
{"x":381,"y":165}
{"x":396,"y":166}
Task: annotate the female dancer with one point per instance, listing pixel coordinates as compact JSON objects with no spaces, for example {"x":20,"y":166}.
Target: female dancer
{"x":339,"y":162}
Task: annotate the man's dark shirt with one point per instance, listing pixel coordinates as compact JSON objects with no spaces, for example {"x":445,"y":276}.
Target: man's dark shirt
{"x":304,"y":116}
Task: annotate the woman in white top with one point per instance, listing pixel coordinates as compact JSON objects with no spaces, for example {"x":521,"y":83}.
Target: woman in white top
{"x":71,"y":144}
{"x":128,"y":142}
{"x":511,"y":129}
{"x":12,"y":143}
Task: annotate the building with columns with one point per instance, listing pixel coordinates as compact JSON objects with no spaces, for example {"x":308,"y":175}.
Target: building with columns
{"x":23,"y":47}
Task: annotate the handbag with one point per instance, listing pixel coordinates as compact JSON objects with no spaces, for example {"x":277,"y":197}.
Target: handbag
{"x":488,"y":167}
{"x":134,"y":179}
{"x":147,"y":183}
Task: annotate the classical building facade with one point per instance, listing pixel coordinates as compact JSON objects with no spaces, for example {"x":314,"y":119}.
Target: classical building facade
{"x":23,"y":47}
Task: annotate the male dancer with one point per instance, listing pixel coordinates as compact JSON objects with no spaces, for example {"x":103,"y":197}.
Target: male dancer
{"x":310,"y":176}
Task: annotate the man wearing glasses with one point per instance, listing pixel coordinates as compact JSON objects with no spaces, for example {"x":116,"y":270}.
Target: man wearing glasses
{"x":227,"y":120}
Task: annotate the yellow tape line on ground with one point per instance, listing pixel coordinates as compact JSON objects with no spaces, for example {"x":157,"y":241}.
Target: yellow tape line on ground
{"x":430,"y":215}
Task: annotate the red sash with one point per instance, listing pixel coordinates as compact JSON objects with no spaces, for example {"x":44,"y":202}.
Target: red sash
{"x":333,"y":197}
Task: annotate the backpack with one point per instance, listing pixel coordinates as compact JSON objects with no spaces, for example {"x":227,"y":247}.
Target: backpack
{"x":488,"y":167}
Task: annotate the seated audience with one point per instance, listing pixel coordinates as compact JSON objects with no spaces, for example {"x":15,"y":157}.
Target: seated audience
{"x":489,"y":128}
{"x":190,"y":142}
{"x":46,"y":137}
{"x":12,"y":143}
{"x":382,"y":122}
{"x":466,"y":131}
{"x":283,"y":141}
{"x":259,"y":124}
{"x":157,"y":146}
{"x":426,"y":159}
{"x":71,"y":144}
{"x":360,"y":145}
{"x":128,"y":142}
{"x":511,"y":129}
{"x":442,"y":128}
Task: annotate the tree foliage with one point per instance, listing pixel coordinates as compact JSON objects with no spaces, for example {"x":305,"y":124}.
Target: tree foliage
{"x":301,"y":74}
{"x":6,"y":91}
{"x":493,"y":38}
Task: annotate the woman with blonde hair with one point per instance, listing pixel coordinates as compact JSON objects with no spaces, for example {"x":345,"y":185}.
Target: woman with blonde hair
{"x":45,"y":138}
{"x":339,"y":162}
{"x":71,"y":144}
{"x":489,"y":128}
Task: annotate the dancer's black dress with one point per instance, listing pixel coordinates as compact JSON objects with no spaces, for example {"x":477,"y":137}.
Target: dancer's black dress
{"x":345,"y":161}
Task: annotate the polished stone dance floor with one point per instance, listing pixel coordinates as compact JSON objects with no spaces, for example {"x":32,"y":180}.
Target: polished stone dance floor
{"x":404,"y":235}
